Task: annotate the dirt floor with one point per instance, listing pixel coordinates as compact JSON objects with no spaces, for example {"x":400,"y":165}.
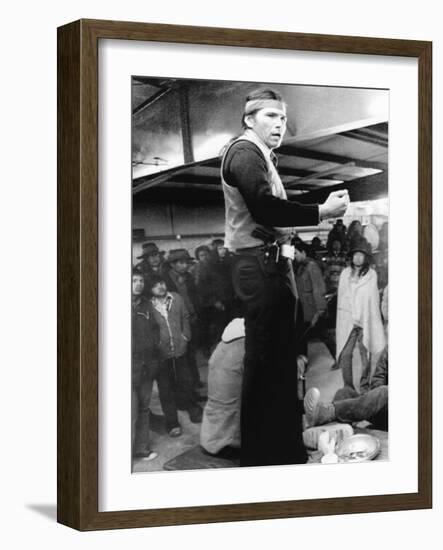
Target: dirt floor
{"x":169,"y":447}
{"x":319,"y":375}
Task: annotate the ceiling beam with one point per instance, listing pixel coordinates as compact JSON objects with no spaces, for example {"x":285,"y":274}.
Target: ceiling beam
{"x":150,"y":100}
{"x":152,"y":180}
{"x":367,"y":137}
{"x":153,"y":81}
{"x":188,"y":148}
{"x":318,"y":175}
{"x":366,"y":188}
{"x":292,"y":151}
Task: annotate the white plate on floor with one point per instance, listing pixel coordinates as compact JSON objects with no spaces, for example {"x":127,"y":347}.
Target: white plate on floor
{"x":358,"y":448}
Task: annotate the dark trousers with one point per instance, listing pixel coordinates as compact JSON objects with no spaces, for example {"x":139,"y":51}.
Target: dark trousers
{"x":345,"y":360}
{"x":144,"y":372}
{"x":350,"y":406}
{"x":208,"y":328}
{"x":191,"y":356}
{"x":174,"y":388}
{"x":271,"y":415}
{"x":321,"y":332}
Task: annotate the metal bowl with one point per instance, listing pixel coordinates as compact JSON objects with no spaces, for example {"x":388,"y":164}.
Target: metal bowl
{"x":358,"y":448}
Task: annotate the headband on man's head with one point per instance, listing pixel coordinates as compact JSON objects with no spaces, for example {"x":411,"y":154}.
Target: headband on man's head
{"x":257,"y":104}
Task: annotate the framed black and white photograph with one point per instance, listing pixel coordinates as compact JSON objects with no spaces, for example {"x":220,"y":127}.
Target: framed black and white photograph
{"x":187,"y":244}
{"x":235,"y":212}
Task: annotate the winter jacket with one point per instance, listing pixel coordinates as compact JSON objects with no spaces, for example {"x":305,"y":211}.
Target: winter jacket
{"x":173,"y":323}
{"x":207,"y":283}
{"x":184,"y":285}
{"x":145,"y":332}
{"x":311,"y":289}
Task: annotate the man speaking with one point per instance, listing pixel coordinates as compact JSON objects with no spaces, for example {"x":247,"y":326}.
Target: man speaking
{"x":258,"y":227}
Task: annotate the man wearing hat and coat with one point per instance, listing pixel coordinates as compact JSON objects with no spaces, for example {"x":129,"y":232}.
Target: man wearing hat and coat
{"x":178,"y":279}
{"x":152,"y":263}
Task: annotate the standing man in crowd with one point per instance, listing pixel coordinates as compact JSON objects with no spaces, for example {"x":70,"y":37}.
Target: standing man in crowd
{"x":222,"y":265}
{"x":338,"y":232}
{"x":145,"y":363}
{"x":311,"y":290}
{"x":210,"y":305}
{"x":169,"y":311}
{"x":178,"y":279}
{"x":335,"y":262}
{"x":151,"y":263}
{"x":258,"y":226}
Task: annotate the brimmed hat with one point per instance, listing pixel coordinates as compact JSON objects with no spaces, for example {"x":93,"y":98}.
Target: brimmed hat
{"x":178,"y":254}
{"x":361,"y":245}
{"x":148,"y":249}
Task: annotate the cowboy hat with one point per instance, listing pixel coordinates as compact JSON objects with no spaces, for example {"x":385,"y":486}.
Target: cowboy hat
{"x":178,"y":254}
{"x":148,"y":249}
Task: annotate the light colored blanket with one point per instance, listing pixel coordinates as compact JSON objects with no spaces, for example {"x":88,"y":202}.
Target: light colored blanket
{"x":221,"y":417}
{"x":358,"y":303}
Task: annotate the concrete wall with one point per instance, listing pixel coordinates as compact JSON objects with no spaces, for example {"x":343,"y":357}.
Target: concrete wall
{"x":177,"y":225}
{"x":188,"y":226}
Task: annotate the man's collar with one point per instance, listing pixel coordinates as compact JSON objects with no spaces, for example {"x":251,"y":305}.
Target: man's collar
{"x":267,"y":152}
{"x":168,"y":296}
{"x":252,"y":136}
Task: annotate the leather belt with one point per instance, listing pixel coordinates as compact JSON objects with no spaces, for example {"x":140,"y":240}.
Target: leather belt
{"x":251,"y":251}
{"x":277,"y":251}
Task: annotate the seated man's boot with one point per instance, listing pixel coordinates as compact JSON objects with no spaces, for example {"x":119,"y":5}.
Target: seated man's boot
{"x":316,"y":412}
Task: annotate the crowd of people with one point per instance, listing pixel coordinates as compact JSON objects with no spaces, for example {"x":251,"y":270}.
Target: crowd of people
{"x":180,"y":306}
{"x":184,"y":306}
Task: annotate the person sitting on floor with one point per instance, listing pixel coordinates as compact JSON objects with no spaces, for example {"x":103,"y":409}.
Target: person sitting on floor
{"x":350,"y":406}
{"x":220,"y":430}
